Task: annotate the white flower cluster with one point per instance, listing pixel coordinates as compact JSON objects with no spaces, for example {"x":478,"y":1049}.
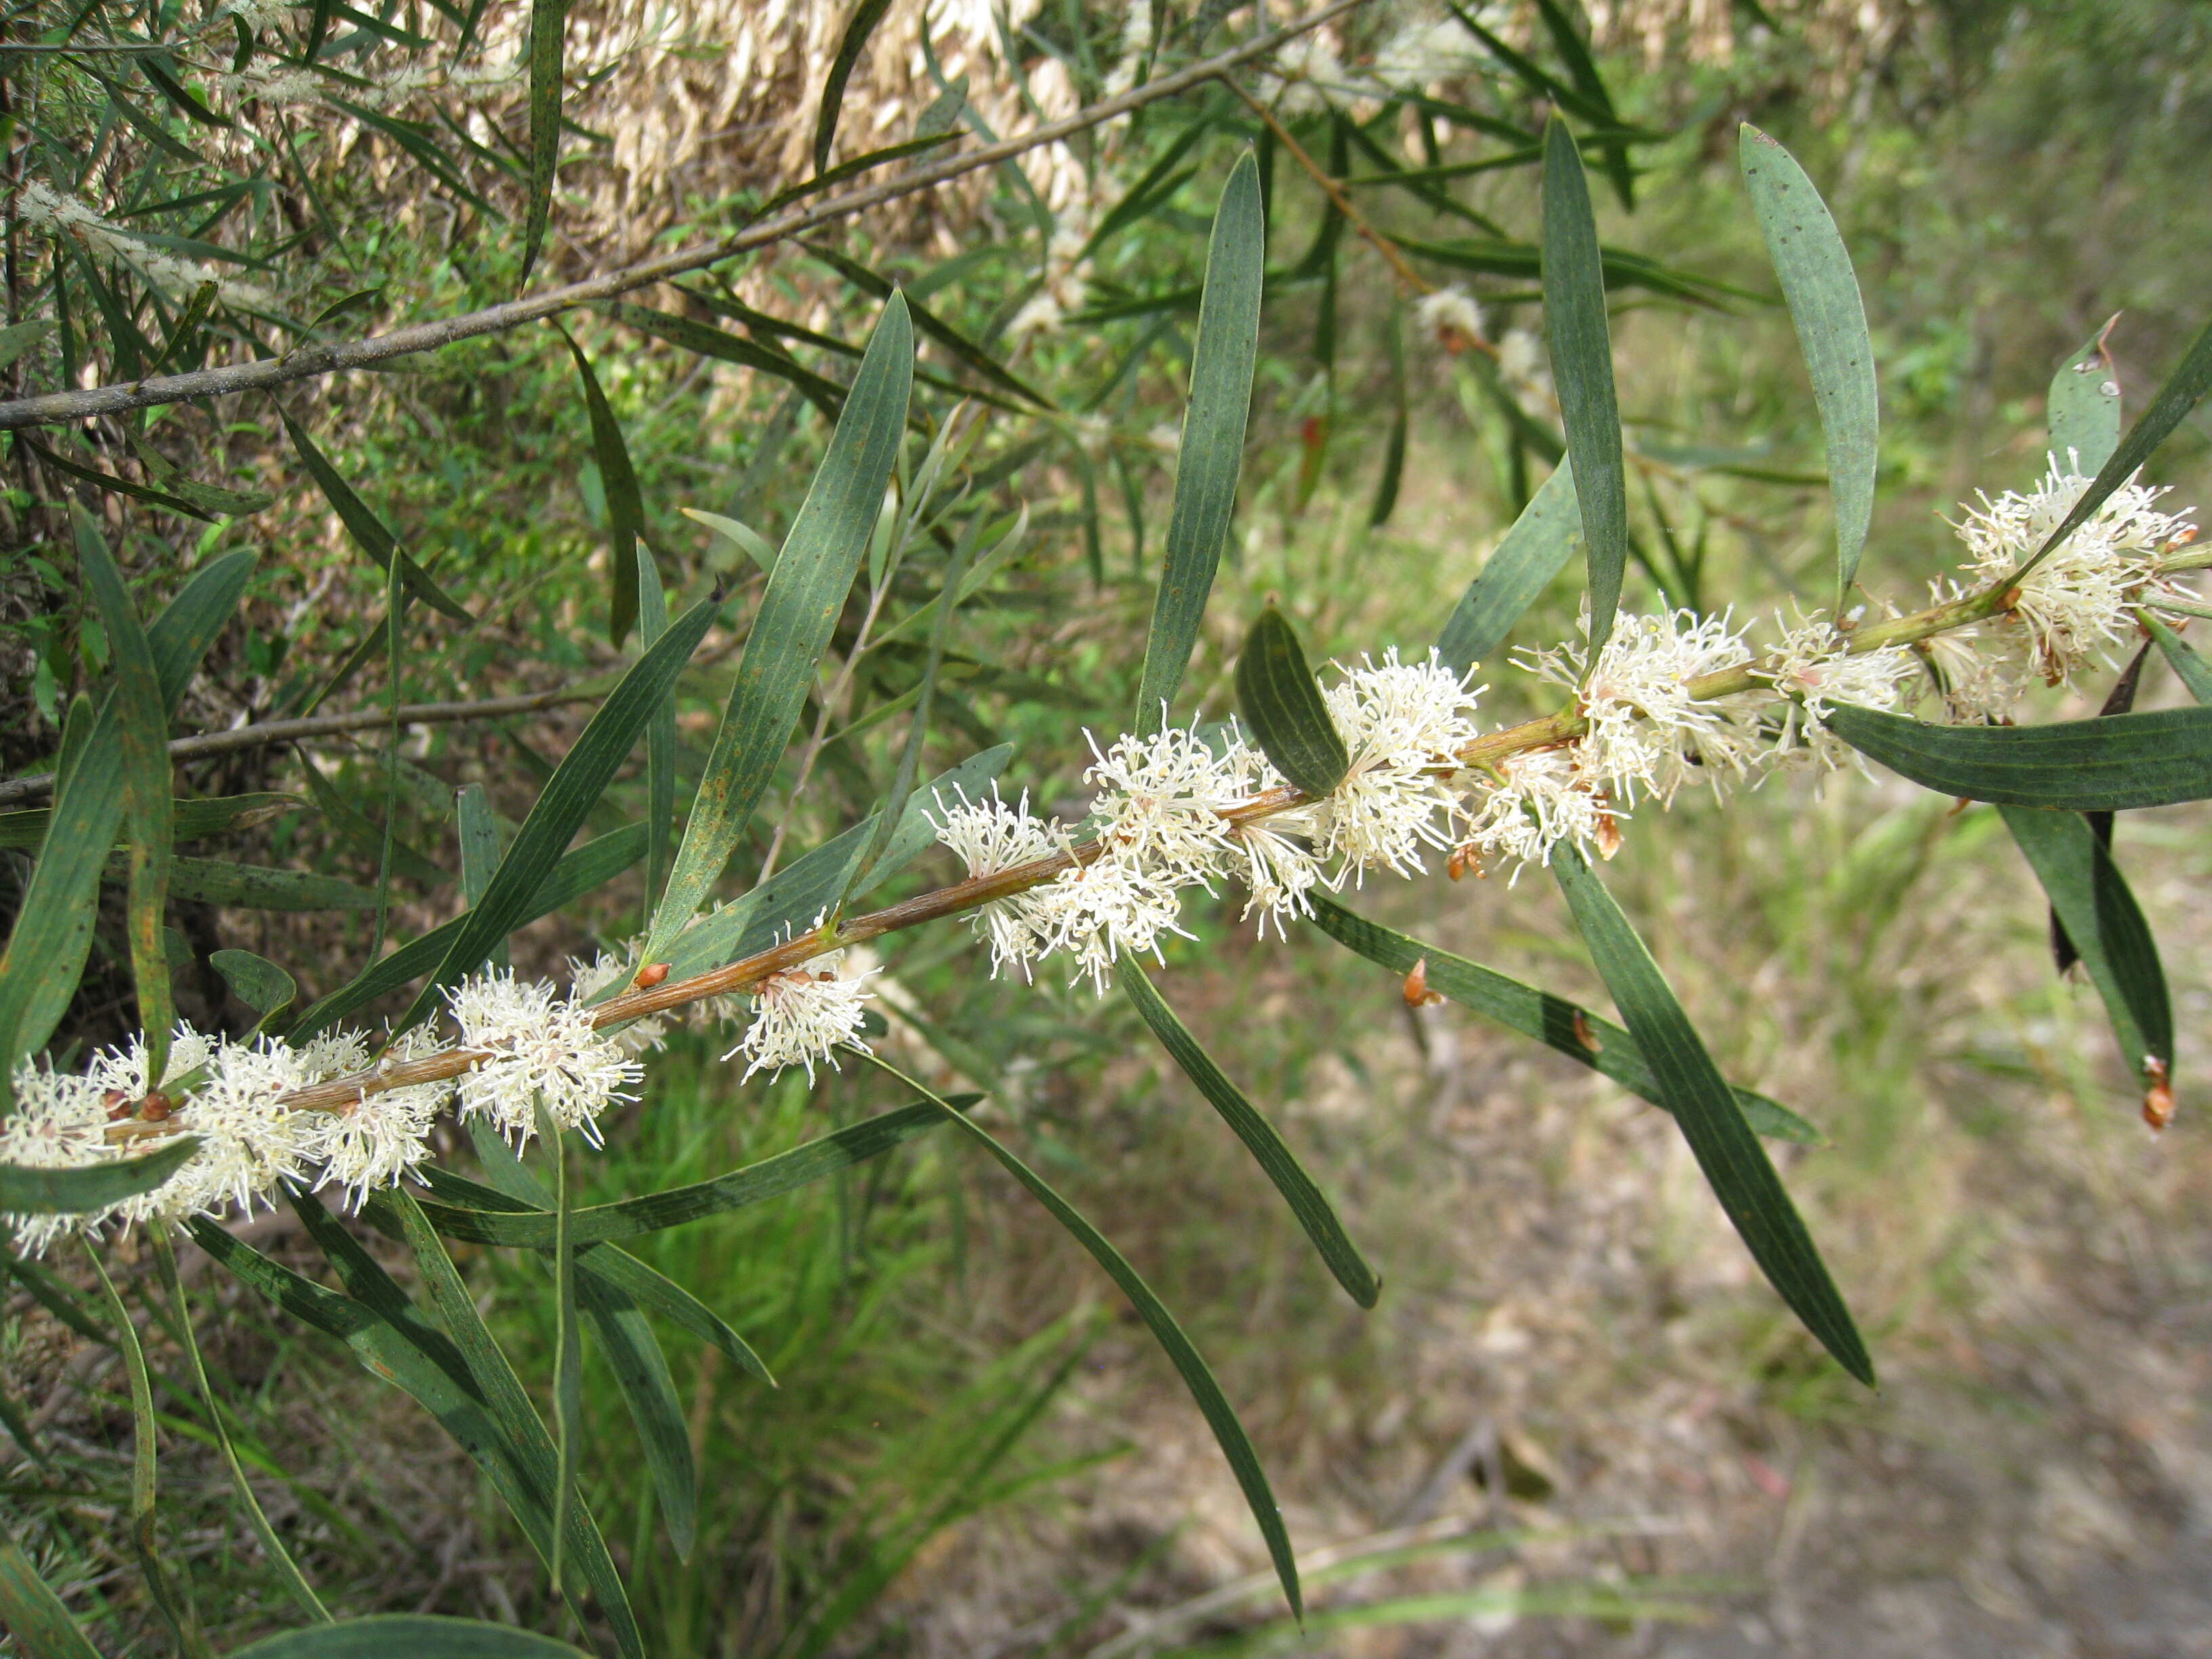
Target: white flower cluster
{"x":805,"y":1014}
{"x":1451,"y":318}
{"x":62,"y":216}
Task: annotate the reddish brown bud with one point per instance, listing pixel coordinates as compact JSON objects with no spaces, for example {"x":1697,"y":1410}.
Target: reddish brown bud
{"x":156,"y":1107}
{"x":651,"y":975}
{"x":1585,"y":1035}
{"x":2158,"y":1099}
{"x":1416,"y":989}
{"x":1608,"y":836}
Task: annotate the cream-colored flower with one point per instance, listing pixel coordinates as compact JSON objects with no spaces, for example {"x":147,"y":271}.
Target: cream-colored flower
{"x":540,"y":1047}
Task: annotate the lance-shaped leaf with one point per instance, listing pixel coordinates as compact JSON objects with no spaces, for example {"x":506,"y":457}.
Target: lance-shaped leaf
{"x":1307,"y":1202}
{"x":2091,"y":899}
{"x":1279,"y":701}
{"x":2082,"y":413}
{"x":2195,"y":672}
{"x":2108,"y":764}
{"x":143,"y":725}
{"x":825,"y":395}
{"x":648,"y":1389}
{"x":2191,"y":380}
{"x":1553,"y":1021}
{"x":193,"y":820}
{"x":1582,"y":368}
{"x":862,"y":24}
{"x":25,"y":1191}
{"x":261,"y":887}
{"x":1735,"y":1165}
{"x":631,"y":1218}
{"x":625,"y":507}
{"x":1394,"y":448}
{"x":257,"y":982}
{"x":1212,"y":448}
{"x":418,"y":1635}
{"x":548,"y":23}
{"x":934,"y":328}
{"x":36,"y":1616}
{"x":1534,"y":551}
{"x":1822,"y":290}
{"x":659,"y":737}
{"x":567,"y":799}
{"x":370,"y":533}
{"x":797,"y":614}
{"x":1220,"y":1417}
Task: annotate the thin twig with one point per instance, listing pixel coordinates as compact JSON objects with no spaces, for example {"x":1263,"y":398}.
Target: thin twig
{"x":309,"y":361}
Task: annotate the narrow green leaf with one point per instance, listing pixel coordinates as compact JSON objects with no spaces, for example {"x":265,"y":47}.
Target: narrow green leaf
{"x":2191,"y":380}
{"x":26,"y":1191}
{"x":18,"y":338}
{"x":862,"y":24}
{"x":844,"y":171}
{"x":142,"y":724}
{"x":625,"y":507}
{"x":59,"y":1299}
{"x":193,"y":820}
{"x":34,"y":1613}
{"x":748,"y":540}
{"x":257,"y":982}
{"x":927,"y":322}
{"x":549,"y":21}
{"x":477,"y":831}
{"x":1212,"y":453}
{"x":2195,"y":672}
{"x":2083,"y":411}
{"x":1553,"y":1021}
{"x":295,"y":1581}
{"x":369,"y":532}
{"x":2091,"y":899}
{"x":587,"y":869}
{"x":260,"y":887}
{"x":707,"y":341}
{"x":1521,"y":566}
{"x":640,"y":1370}
{"x":1220,"y":1417}
{"x":1279,"y":701}
{"x":1394,"y":452}
{"x":1582,"y":366}
{"x":1822,"y":291}
{"x":416,"y":1635}
{"x":1735,"y":1165}
{"x":659,"y":737}
{"x":798,"y":613}
{"x":568,"y":798}
{"x":181,"y":636}
{"x":95,"y":476}
{"x":1575,"y":52}
{"x":1307,"y":1202}
{"x":2108,"y":764}
{"x":568,"y":1348}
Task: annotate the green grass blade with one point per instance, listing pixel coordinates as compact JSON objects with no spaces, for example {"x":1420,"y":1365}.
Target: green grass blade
{"x":2083,"y":410}
{"x":567,"y":799}
{"x":416,"y":1635}
{"x":142,"y":726}
{"x":1212,"y":453}
{"x":1735,"y":1165}
{"x":1220,"y":1417}
{"x":2090,"y":898}
{"x":813,"y":574}
{"x":72,"y":1192}
{"x":1279,"y":701}
{"x":1553,"y":1021}
{"x":271,"y":1546}
{"x":1582,"y":366}
{"x":625,"y":507}
{"x":1534,"y":551}
{"x":659,"y":737}
{"x":2191,"y":380}
{"x":2194,"y":671}
{"x":1822,"y":291}
{"x":2107,"y":764}
{"x":589,"y":868}
{"x":369,"y":533}
{"x":477,"y":1215}
{"x":641,"y":1373}
{"x":549,"y":22}
{"x":31,"y":1610}
{"x":1307,"y":1202}
{"x":862,"y":24}
{"x":145,"y":1476}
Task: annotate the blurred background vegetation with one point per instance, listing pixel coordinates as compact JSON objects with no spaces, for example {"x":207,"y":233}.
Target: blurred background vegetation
{"x":1577,"y":1424}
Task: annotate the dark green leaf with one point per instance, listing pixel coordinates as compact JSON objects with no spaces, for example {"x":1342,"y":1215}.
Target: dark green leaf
{"x":94,"y":1187}
{"x":2108,"y":764}
{"x":1228,"y":1433}
{"x":34,"y":1613}
{"x":59,"y":1299}
{"x":709,"y":341}
{"x":549,"y":21}
{"x":2091,"y":899}
{"x":2083,"y":411}
{"x":2195,"y":673}
{"x":2190,"y":380}
{"x":1582,"y":366}
{"x":92,"y":476}
{"x":641,"y":1373}
{"x":844,"y":171}
{"x":1535,"y":550}
{"x":659,"y":737}
{"x":862,"y":24}
{"x":257,"y":982}
{"x":1815,"y":267}
{"x":791,"y":629}
{"x":1212,"y":448}
{"x":1307,"y":1202}
{"x":1553,"y":1021}
{"x":1735,"y":1165}
{"x":369,"y":531}
{"x":568,"y":798}
{"x":18,"y":338}
{"x":259,"y":887}
{"x":1575,"y":52}
{"x":930,"y":325}
{"x":417,"y":1636}
{"x":625,"y":507}
{"x":1279,"y":701}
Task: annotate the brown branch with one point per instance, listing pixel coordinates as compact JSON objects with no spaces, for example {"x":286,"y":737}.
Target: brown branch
{"x":54,"y":408}
{"x":269,"y":732}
